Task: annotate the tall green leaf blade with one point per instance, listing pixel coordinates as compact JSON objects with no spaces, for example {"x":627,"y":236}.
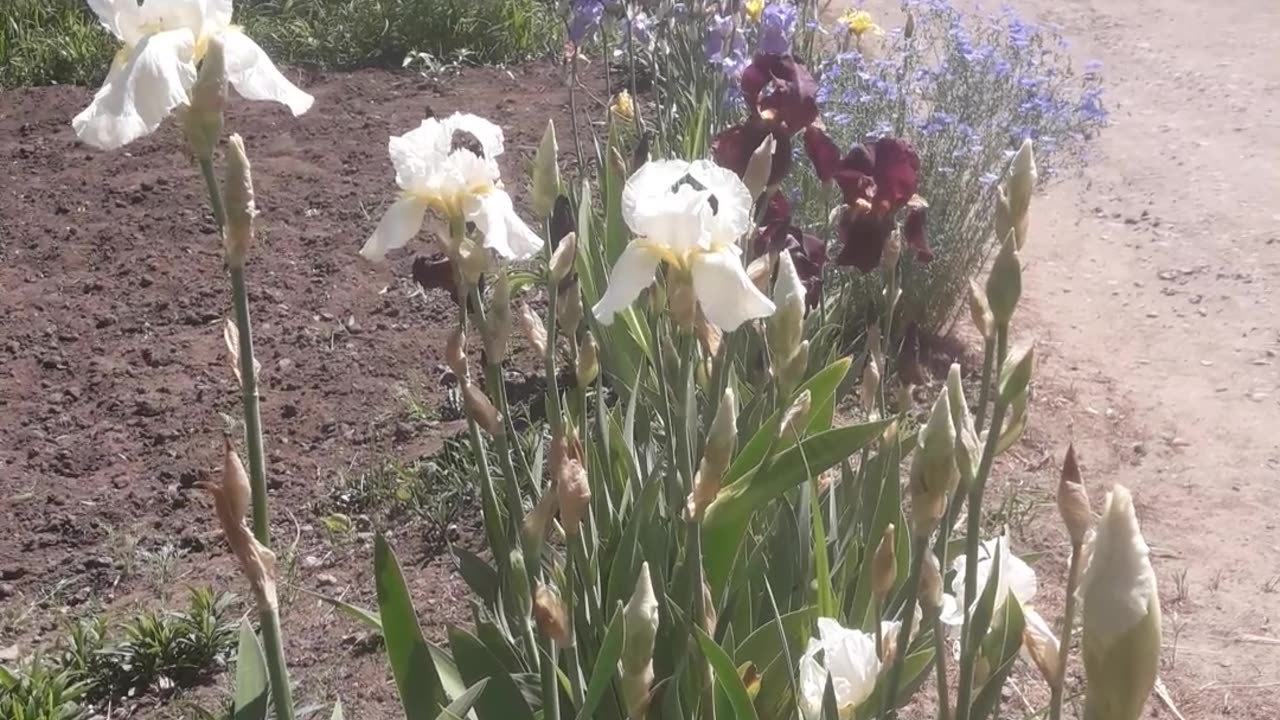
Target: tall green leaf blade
{"x":480,"y":577}
{"x":1004,"y":642}
{"x":407,"y":651}
{"x":728,"y":516}
{"x":252,"y":683}
{"x":727,"y":676}
{"x":828,"y":606}
{"x":605,"y":667}
{"x":366,"y":617}
{"x":502,"y":698}
{"x":459,"y":708}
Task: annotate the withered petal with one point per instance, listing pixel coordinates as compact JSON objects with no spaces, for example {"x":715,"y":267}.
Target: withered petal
{"x":913,"y":231}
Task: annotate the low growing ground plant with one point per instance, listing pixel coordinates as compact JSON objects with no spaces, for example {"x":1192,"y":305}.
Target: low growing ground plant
{"x":699,"y":533}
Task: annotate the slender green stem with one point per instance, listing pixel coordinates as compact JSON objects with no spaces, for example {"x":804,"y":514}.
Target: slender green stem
{"x":550,"y":684}
{"x":878,"y":612}
{"x":968,"y":643}
{"x":268,"y":615}
{"x":919,"y":546}
{"x":940,"y":663}
{"x":984,"y":390}
{"x":570,"y":600}
{"x":252,"y":412}
{"x":1058,"y":685}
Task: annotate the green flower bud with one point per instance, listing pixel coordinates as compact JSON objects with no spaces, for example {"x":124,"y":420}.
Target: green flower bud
{"x":569,"y":310}
{"x":980,"y":311}
{"x":1004,"y":285}
{"x":1073,"y":500}
{"x":1015,"y":376}
{"x":640,"y":631}
{"x":498,"y":327}
{"x":933,"y":468}
{"x":588,"y":361}
{"x":1121,"y":626}
{"x":793,"y":372}
{"x":884,"y":565}
{"x":546,"y":173}
{"x":968,"y":447}
{"x":760,"y":166}
{"x":786,"y":326}
{"x":1022,"y":183}
{"x":563,"y":258}
{"x":722,"y":439}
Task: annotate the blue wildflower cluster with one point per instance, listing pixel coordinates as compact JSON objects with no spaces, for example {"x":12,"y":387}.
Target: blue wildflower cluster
{"x":966,"y":90}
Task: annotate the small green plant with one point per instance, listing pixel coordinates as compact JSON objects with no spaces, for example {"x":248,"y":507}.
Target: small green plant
{"x":41,"y":690}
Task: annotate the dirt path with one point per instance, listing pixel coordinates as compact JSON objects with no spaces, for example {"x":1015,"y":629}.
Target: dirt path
{"x":1151,"y":279}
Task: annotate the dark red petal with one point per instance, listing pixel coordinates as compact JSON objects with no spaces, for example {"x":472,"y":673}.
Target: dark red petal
{"x":436,"y":273}
{"x":733,"y":147}
{"x":775,"y":226}
{"x":822,"y":152}
{"x":897,"y":170}
{"x":913,"y":231}
{"x":778,"y":210}
{"x":757,"y":76}
{"x":863,"y":235}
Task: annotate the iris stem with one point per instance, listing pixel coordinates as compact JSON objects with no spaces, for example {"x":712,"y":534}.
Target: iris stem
{"x":1058,"y":686}
{"x":919,"y":546}
{"x":268,"y":615}
{"x":940,"y":660}
{"x":984,"y":390}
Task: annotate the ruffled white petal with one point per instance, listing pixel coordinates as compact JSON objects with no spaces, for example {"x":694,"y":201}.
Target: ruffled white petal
{"x":504,"y":232}
{"x":109,"y":15}
{"x":733,"y":200}
{"x":1016,"y":577}
{"x":727,"y":296}
{"x":849,"y":657}
{"x":255,"y":77}
{"x":152,"y":16}
{"x":680,"y":221}
{"x":1119,"y":582}
{"x":646,"y":188}
{"x":402,"y":221}
{"x":419,"y":154}
{"x":141,"y":93}
{"x":632,"y":273}
{"x":217,"y":14}
{"x":489,"y":135}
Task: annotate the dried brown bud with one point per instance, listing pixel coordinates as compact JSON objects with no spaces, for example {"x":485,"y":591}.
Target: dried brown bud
{"x":231,"y":499}
{"x":549,"y":613}
{"x":884,"y":565}
{"x":1041,"y":643}
{"x":237,"y":201}
{"x":575,"y":496}
{"x":481,"y":410}
{"x":231,"y":336}
{"x":1073,"y":500}
{"x":563,"y":259}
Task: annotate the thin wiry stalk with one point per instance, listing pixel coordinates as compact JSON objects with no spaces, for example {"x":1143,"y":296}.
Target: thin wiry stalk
{"x":268,"y":616}
{"x":1064,"y":642}
{"x":919,"y":547}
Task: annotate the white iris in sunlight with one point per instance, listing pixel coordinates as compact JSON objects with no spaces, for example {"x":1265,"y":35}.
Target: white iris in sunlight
{"x":849,"y":658}
{"x":154,"y":71}
{"x":456,"y":184}
{"x":693,"y":227}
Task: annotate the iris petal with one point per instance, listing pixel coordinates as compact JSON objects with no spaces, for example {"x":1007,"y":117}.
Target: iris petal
{"x":726,"y":294}
{"x":633,"y":272}
{"x":253,"y":75}
{"x":401,"y":222}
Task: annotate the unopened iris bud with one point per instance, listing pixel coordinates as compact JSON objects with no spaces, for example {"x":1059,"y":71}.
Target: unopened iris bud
{"x":569,"y":310}
{"x":760,"y":166}
{"x":498,"y":328}
{"x":792,"y":374}
{"x":930,"y":582}
{"x":884,"y":565}
{"x":208,"y":99}
{"x":870,"y":387}
{"x":722,"y":440}
{"x":980,"y":312}
{"x":546,"y":173}
{"x":909,"y":29}
{"x":796,"y":417}
{"x":520,"y":582}
{"x":480,"y":409}
{"x":237,"y":200}
{"x":1004,"y":285}
{"x":588,"y":361}
{"x":1015,"y":376}
{"x":1022,"y":182}
{"x":968,"y":449}
{"x":536,"y":522}
{"x":640,"y":631}
{"x":786,"y":326}
{"x":562,"y":260}
{"x":531,"y":325}
{"x":549,"y":612}
{"x":1121,"y":626}
{"x":1073,"y":500}
{"x":933,"y":470}
{"x":574,"y":496}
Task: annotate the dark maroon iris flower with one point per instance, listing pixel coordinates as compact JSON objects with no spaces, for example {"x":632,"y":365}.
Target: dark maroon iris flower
{"x":781,"y":97}
{"x":877,"y":181}
{"x":808,"y":253}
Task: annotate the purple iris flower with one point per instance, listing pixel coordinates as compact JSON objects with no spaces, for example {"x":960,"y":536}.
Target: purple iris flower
{"x":777,"y":23}
{"x":587,"y":15}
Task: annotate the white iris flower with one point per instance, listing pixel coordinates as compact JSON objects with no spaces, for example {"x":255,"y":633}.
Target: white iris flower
{"x":455,"y":184}
{"x":154,"y":71}
{"x":1016,"y":577}
{"x":849,"y":658}
{"x":693,"y":227}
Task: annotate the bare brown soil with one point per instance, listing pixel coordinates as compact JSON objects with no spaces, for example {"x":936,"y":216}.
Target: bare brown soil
{"x":115,"y":384}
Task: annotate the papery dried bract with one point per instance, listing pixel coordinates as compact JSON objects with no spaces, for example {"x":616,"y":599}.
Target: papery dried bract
{"x":231,"y":337}
{"x":532,"y":328}
{"x":538,"y":520}
{"x":480,"y":409}
{"x":231,"y":498}
{"x":1040,"y":645}
{"x":968,"y":447}
{"x":869,"y":389}
{"x":455,"y":353}
{"x":575,"y":496}
{"x":550,"y":615}
{"x":760,"y":166}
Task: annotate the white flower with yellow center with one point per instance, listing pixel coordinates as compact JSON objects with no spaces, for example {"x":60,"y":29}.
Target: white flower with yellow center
{"x":154,"y":71}
{"x":690,"y":216}
{"x":1016,"y":577}
{"x":456,"y":184}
